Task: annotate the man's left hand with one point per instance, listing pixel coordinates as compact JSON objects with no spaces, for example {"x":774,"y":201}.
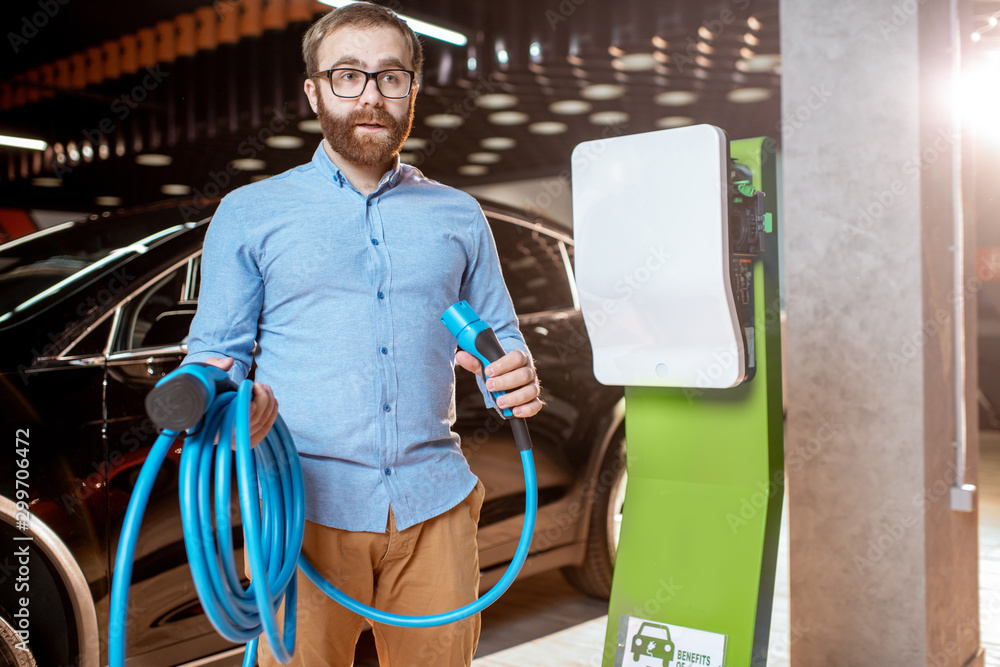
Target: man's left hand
{"x":513,"y":373}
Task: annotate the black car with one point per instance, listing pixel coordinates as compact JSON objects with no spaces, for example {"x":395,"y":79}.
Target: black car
{"x":93,"y":313}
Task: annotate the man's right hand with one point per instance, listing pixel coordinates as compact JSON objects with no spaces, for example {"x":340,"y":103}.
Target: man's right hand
{"x":263,"y":408}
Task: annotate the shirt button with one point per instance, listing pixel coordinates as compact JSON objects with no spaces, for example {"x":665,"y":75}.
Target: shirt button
{"x":385,"y":350}
{"x":388,"y":471}
{"x":381,"y":296}
{"x":368,"y":203}
{"x":374,"y":241}
{"x":386,"y":407}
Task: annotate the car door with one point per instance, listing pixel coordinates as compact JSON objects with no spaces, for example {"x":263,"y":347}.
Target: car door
{"x":535,"y":263}
{"x":148,"y":342}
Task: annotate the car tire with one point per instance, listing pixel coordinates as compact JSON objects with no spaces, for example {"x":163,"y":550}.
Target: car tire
{"x":10,"y":654}
{"x":593,"y":576}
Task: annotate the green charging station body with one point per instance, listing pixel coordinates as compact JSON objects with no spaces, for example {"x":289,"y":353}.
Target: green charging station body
{"x":694,"y":574}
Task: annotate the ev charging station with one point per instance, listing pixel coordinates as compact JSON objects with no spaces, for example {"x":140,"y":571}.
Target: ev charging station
{"x":677,"y":274}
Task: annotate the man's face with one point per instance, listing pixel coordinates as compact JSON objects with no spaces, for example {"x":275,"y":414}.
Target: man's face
{"x":367,"y":130}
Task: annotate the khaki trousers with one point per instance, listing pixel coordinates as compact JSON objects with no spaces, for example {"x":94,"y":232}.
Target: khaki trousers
{"x":429,"y":568}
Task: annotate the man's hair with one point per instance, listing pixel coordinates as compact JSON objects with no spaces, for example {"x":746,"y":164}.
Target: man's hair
{"x":357,"y":15}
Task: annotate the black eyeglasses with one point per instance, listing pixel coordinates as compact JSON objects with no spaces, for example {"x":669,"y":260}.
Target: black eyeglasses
{"x":391,"y":83}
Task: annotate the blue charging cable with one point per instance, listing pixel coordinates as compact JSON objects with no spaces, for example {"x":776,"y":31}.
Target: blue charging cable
{"x":199,"y":398}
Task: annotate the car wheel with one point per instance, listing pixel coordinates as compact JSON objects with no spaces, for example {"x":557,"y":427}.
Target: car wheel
{"x":593,"y":576}
{"x":10,"y":654}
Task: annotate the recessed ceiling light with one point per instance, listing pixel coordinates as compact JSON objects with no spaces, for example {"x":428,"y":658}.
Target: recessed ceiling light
{"x":703,"y":61}
{"x":508,"y":118}
{"x":603,"y":91}
{"x":103,"y":151}
{"x":747,"y":52}
{"x":46,"y":181}
{"x":676,"y":98}
{"x":178,"y":189}
{"x":446,"y":120}
{"x":483,"y":158}
{"x":616,"y":51}
{"x":764,"y":62}
{"x":634,"y":62}
{"x":751,"y":39}
{"x":407,"y":157}
{"x":248,"y":164}
{"x":754,"y":23}
{"x":570,"y":107}
{"x":705,"y":33}
{"x":497,"y":143}
{"x":748,"y":95}
{"x":659,"y":42}
{"x":548,"y":127}
{"x":108,"y":200}
{"x":497,"y":101}
{"x":310,"y":126}
{"x":87,"y":151}
{"x":609,"y":118}
{"x":288,"y":141}
{"x":153,"y":159}
{"x":415,"y":144}
{"x":674,"y":121}
{"x":705,"y":47}
{"x":473,"y":170}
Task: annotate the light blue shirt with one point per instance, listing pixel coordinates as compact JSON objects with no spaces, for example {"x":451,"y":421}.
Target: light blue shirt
{"x":343,"y":295}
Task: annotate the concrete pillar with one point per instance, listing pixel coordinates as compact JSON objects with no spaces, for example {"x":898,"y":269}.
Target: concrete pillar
{"x":883,"y":571}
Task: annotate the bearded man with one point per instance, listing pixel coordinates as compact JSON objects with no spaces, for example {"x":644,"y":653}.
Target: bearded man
{"x":333,"y":276}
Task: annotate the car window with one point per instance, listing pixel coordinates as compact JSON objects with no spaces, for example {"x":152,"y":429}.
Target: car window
{"x":533,"y":268}
{"x":160,"y":315}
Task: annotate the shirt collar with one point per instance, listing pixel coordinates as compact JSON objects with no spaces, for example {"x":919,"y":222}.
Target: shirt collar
{"x":332,"y":172}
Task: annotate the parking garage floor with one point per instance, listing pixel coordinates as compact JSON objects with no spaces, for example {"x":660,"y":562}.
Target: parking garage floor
{"x":542,"y":621}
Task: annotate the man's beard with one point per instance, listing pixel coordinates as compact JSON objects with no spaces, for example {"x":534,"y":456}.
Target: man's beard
{"x":370,"y":150}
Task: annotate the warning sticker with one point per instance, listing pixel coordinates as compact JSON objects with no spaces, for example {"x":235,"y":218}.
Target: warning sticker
{"x":645,"y":643}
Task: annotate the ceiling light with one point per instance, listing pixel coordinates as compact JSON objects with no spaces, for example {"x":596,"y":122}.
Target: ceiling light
{"x":661,"y":57}
{"x":751,"y":39}
{"x":508,"y":118}
{"x":87,"y":151}
{"x":418,"y":26}
{"x":764,"y":62}
{"x":407,"y":157}
{"x":753,"y":23}
{"x":175,"y":189}
{"x":992,"y":21}
{"x":615,"y":51}
{"x":570,"y":107}
{"x":705,"y":47}
{"x":535,"y":50}
{"x":609,"y":118}
{"x":23,"y":142}
{"x":248,"y":164}
{"x":976,"y":37}
{"x":603,"y":91}
{"x":103,"y":151}
{"x":502,"y":56}
{"x":497,"y":143}
{"x":746,"y":52}
{"x":310,"y":126}
{"x":705,"y":33}
{"x":659,"y":42}
{"x":669,"y":122}
{"x":472,"y":64}
{"x":287,"y":141}
{"x":634,"y":62}
{"x":46,"y":181}
{"x":574,"y":60}
{"x":703,"y":61}
{"x":108,"y":200}
{"x":473,"y":170}
{"x":497,"y":101}
{"x":748,"y":95}
{"x":446,"y":120}
{"x":483,"y":158}
{"x":153,"y":159}
{"x":71,"y":152}
{"x":548,"y":127}
{"x":415,"y":144}
{"x":676,"y":98}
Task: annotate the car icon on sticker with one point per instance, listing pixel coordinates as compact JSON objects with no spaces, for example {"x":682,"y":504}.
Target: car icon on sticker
{"x":653,"y":641}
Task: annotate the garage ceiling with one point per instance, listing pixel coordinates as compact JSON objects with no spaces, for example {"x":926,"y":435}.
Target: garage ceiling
{"x":569,"y":70}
